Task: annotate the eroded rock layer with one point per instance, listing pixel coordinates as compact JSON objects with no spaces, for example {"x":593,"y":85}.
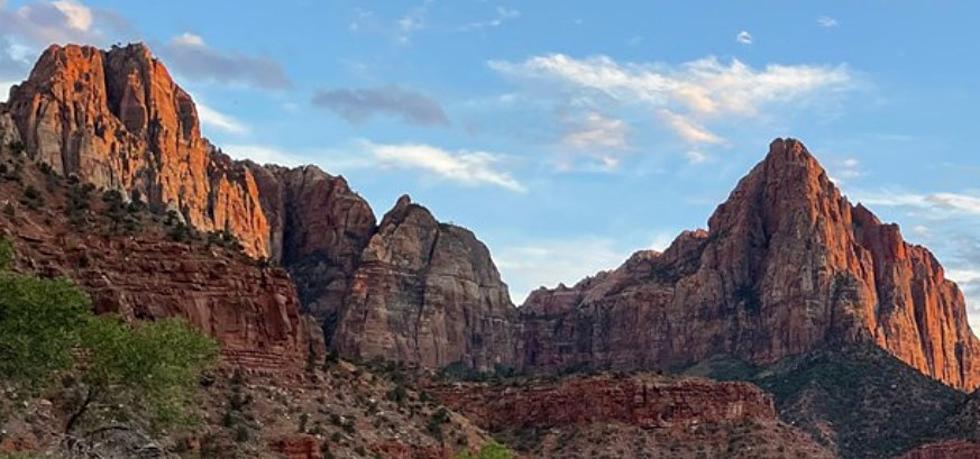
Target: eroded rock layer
{"x":640,"y":415}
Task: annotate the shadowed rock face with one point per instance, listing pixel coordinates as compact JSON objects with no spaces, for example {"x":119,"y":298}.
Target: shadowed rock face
{"x":116,"y":119}
{"x":318,"y":229}
{"x":427,"y":293}
{"x":787,"y":265}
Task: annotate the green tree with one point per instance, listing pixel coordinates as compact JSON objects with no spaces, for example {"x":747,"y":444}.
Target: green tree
{"x":489,"y":450}
{"x":40,"y":324}
{"x":154,"y":364}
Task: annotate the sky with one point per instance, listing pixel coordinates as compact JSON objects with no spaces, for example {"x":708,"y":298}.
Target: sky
{"x":568,"y":135}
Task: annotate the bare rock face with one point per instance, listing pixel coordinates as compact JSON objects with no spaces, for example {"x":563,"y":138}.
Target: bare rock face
{"x":427,"y":293}
{"x":116,"y":119}
{"x":786,"y":266}
{"x":318,"y":229}
{"x":641,"y":415}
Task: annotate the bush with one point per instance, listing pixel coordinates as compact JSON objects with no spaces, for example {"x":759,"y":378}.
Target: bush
{"x":40,"y":326}
{"x":490,"y":450}
{"x":157,"y":363}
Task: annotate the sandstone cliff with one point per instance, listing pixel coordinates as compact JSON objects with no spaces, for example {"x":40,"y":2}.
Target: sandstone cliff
{"x":786,"y":266}
{"x":117,"y":120}
{"x":428,"y":293}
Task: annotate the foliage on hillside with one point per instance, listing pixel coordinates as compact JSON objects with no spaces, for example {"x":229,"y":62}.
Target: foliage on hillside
{"x":859,"y":400}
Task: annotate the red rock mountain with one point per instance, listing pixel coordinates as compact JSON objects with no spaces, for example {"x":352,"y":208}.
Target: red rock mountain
{"x":787,"y":264}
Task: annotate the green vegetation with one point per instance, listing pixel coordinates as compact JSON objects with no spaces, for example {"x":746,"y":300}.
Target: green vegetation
{"x":459,"y":371}
{"x":490,"y":450}
{"x":48,"y":332}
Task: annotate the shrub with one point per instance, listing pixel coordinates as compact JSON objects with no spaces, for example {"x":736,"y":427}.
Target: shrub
{"x":490,"y":450}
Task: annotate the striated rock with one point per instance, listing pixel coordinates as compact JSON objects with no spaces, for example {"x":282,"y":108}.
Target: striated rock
{"x":297,"y":447}
{"x":950,"y":449}
{"x":640,"y":415}
{"x":318,"y":229}
{"x":786,"y":266}
{"x":428,"y":293}
{"x":117,"y":120}
{"x":253,"y":311}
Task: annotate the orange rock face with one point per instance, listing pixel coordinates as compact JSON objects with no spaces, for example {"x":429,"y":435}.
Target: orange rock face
{"x":787,"y":265}
{"x":116,"y":119}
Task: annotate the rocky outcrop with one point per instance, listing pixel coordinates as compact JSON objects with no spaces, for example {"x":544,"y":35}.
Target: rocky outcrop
{"x":427,"y":293}
{"x":786,"y":266}
{"x":640,"y":415}
{"x":117,"y":120}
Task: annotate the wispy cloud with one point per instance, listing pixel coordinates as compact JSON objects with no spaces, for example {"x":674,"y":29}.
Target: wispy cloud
{"x":685,"y":97}
{"x":827,"y":22}
{"x":941,"y":203}
{"x":688,"y":129}
{"x":220,"y":121}
{"x":744,"y":37}
{"x":696,"y":157}
{"x":503,"y":14}
{"x":189,"y":55}
{"x":413,"y":21}
{"x":356,"y":105}
{"x":596,"y":131}
{"x":548,"y":262}
{"x":471,"y":168}
{"x":264,"y":154}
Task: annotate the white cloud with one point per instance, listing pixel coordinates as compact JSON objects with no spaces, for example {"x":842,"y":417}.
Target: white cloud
{"x":525,"y":267}
{"x":472,"y":168}
{"x":220,"y":121}
{"x":412,"y":21}
{"x":5,"y":89}
{"x":941,"y":203}
{"x":503,"y":14}
{"x":703,"y":86}
{"x":188,"y":39}
{"x":596,"y":132}
{"x":744,"y":37}
{"x":827,"y":22}
{"x":78,"y":16}
{"x":686,"y":96}
{"x":263,"y":154}
{"x":688,"y":129}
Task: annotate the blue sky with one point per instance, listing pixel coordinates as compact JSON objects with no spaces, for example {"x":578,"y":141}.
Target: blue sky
{"x":568,"y":135}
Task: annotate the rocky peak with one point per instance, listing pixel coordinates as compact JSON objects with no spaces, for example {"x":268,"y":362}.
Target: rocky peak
{"x":118,"y":120}
{"x":787,"y":266}
{"x":427,"y":293}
